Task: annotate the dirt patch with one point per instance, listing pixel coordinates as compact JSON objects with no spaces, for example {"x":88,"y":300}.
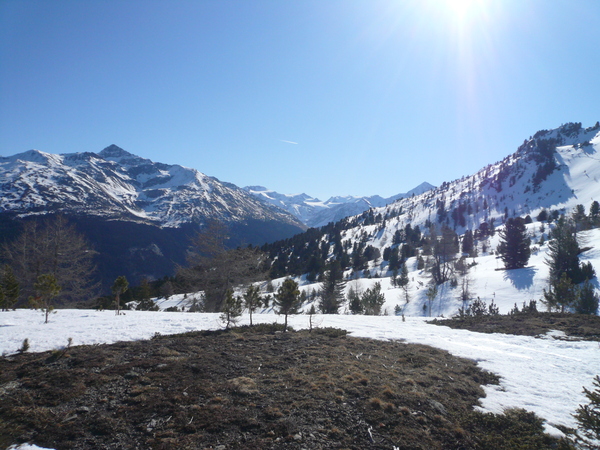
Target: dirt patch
{"x":244,"y":389}
{"x":574,"y":326}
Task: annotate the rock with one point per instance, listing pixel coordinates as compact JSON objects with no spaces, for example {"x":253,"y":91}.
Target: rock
{"x":438,"y":407}
{"x":131,"y":375}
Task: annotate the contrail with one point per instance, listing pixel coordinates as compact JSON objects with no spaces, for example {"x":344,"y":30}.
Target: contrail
{"x":288,"y":142}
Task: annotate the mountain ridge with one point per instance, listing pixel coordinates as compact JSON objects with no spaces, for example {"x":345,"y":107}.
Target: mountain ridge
{"x":120,"y":185}
{"x":316,"y":213}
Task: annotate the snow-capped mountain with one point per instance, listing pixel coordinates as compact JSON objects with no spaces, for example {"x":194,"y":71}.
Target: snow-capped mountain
{"x":553,"y":170}
{"x":119,"y":185}
{"x":137,"y":214}
{"x":316,"y":213}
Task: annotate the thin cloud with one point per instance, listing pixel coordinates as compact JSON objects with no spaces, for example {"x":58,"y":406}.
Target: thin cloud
{"x":288,"y":142}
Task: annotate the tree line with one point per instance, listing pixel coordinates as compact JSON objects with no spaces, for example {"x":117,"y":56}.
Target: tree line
{"x":54,"y":248}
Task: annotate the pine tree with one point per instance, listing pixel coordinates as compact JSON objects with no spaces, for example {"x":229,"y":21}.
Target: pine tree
{"x":372,"y":300}
{"x":587,"y":302}
{"x":46,"y":288}
{"x":514,"y":247}
{"x":146,"y":303}
{"x":402,"y":279}
{"x":588,"y":418}
{"x":354,"y":301}
{"x":561,"y":295}
{"x":287,"y":299}
{"x":232,"y":309}
{"x":332,"y":292}
{"x":594,"y":214}
{"x":9,"y":288}
{"x":394,"y":259}
{"x":252,"y":300}
{"x":563,"y":251}
{"x":580,"y":218}
{"x":468,"y":243}
{"x":119,"y":287}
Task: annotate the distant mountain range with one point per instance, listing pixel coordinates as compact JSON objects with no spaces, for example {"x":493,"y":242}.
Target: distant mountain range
{"x":115,"y":184}
{"x":316,"y":213}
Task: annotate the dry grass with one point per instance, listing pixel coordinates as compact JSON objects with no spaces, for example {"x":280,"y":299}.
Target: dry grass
{"x":575,"y":326}
{"x":253,"y":389}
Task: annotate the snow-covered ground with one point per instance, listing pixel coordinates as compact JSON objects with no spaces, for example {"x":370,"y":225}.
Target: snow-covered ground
{"x":487,"y":280}
{"x":544,"y":375}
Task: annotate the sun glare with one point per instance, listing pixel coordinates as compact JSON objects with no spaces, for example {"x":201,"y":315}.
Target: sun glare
{"x":462,"y":11}
{"x":460,"y":7}
{"x":458,"y":14}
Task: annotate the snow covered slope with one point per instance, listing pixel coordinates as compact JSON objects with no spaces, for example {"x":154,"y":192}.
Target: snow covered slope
{"x":316,"y":213}
{"x":116,"y":184}
{"x":554,"y":171}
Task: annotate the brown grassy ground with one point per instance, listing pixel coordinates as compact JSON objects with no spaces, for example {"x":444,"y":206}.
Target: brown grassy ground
{"x":254,"y":389}
{"x":575,"y":326}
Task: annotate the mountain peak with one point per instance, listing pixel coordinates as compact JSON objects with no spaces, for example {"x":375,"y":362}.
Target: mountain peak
{"x":35,"y":156}
{"x":256,"y":188}
{"x":114,"y":151}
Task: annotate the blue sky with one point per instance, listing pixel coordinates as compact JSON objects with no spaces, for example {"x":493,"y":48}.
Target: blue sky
{"x":327,"y":97}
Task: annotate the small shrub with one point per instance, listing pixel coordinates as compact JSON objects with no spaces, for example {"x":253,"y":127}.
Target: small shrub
{"x":588,"y":418}
{"x":244,"y":386}
{"x":388,"y":393}
{"x":376,"y":403}
{"x":24,"y":346}
{"x":272,"y":412}
{"x":516,"y":428}
{"x":263,"y":328}
{"x":389,"y":408}
{"x":330,"y":331}
{"x":480,"y":308}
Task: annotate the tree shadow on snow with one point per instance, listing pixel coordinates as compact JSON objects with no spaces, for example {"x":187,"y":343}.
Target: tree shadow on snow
{"x":520,"y":278}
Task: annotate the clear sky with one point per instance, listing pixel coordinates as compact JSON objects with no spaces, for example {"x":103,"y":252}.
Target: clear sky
{"x":327,"y":97}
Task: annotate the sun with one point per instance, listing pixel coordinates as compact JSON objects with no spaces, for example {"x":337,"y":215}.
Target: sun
{"x":457,"y":13}
{"x":462,"y":11}
{"x":460,"y":8}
